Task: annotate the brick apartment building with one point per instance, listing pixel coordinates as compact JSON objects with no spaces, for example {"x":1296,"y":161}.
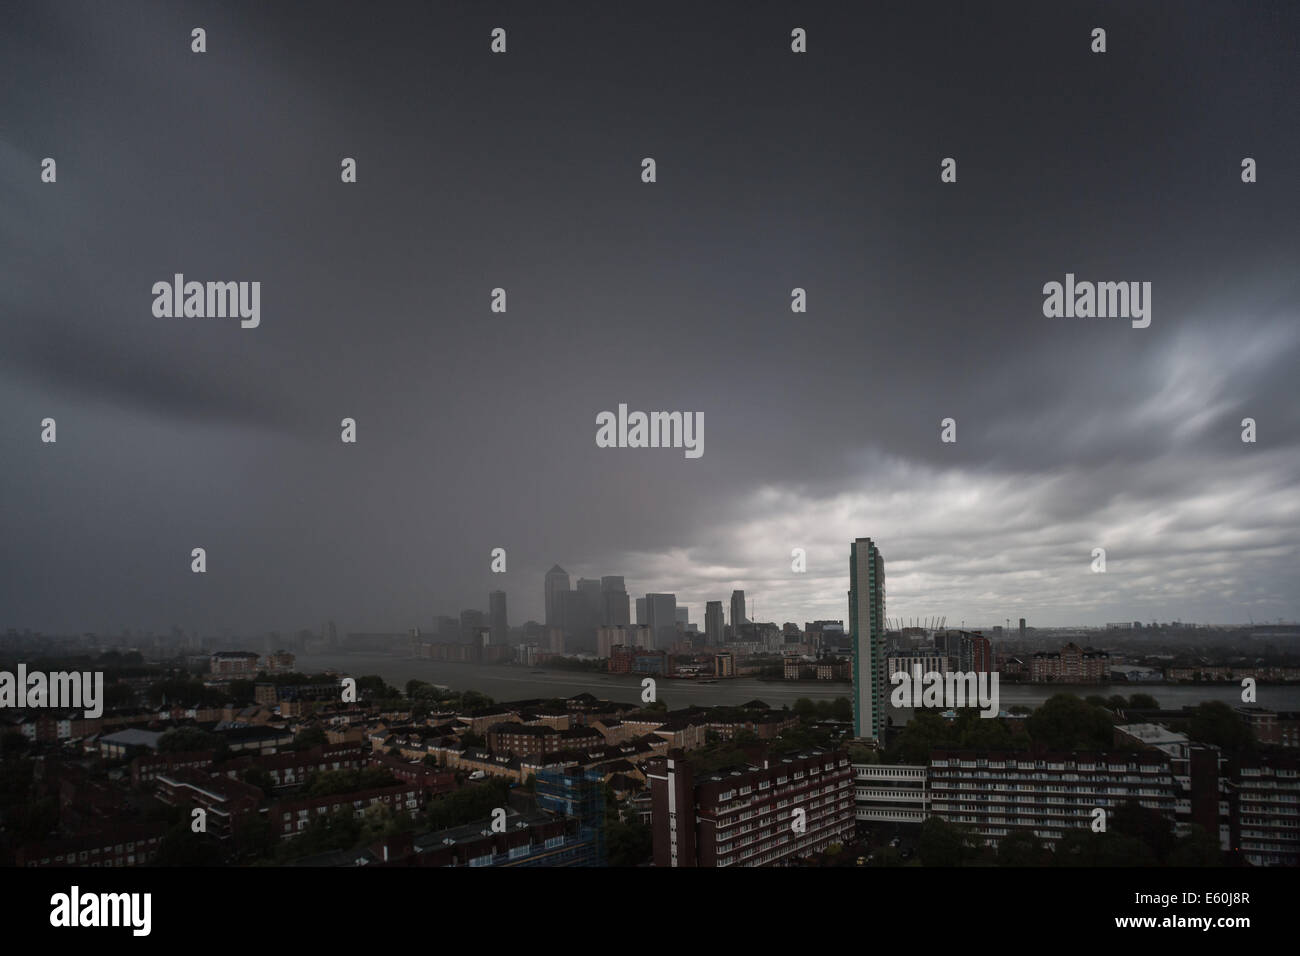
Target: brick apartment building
{"x":746,"y":816}
{"x":1070,"y":665}
{"x":227,"y":803}
{"x":233,"y":664}
{"x":145,"y":770}
{"x":290,"y":817}
{"x":125,"y":845}
{"x":522,"y":740}
{"x":294,"y":767}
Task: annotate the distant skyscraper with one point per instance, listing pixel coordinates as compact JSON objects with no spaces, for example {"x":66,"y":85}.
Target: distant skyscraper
{"x":641,"y":611}
{"x":616,"y":610}
{"x":557,"y":582}
{"x":590,"y":611}
{"x":579,"y":629}
{"x":1022,"y":628}
{"x":713,"y":623}
{"x":737,"y":612}
{"x":661,"y":613}
{"x":867,"y":619}
{"x":594,"y":598}
{"x":497,"y":615}
{"x":683,"y":615}
{"x":470,"y":623}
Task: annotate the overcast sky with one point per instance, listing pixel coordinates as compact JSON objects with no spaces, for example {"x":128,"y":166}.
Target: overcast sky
{"x":775,"y":170}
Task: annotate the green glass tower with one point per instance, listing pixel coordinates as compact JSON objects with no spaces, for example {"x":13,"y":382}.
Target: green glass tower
{"x":867,"y":621}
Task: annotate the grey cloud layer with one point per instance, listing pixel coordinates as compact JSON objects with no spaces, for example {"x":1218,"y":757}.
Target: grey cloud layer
{"x":477,"y":431}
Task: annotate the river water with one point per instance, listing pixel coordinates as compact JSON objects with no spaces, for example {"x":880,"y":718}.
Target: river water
{"x":515,"y":682}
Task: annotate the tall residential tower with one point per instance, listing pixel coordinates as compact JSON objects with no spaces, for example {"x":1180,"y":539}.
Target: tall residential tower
{"x":867,"y":620}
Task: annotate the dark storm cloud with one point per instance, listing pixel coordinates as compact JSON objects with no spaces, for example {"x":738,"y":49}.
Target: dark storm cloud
{"x":477,"y":430}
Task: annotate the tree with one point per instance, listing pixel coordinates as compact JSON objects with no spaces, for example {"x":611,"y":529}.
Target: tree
{"x":976,"y":732}
{"x":256,"y":838}
{"x":349,"y":781}
{"x":181,"y":846}
{"x":13,"y":743}
{"x":927,"y":731}
{"x":1143,"y":702}
{"x":1146,"y":825}
{"x":1214,"y":722}
{"x":373,"y":687}
{"x":1082,"y":847}
{"x":473,"y":700}
{"x":117,"y":695}
{"x":945,"y":844}
{"x":627,"y":844}
{"x":469,"y":804}
{"x":309,"y":737}
{"x":1198,"y":848}
{"x":861,"y":753}
{"x":260,"y":778}
{"x":1022,"y":848}
{"x":1065,"y":722}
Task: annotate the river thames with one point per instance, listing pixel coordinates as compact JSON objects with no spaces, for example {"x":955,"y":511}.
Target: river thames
{"x":516,"y":682}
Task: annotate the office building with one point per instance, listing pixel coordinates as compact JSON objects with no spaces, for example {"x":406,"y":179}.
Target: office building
{"x":661,"y":616}
{"x":557,"y":582}
{"x":738,"y":619}
{"x":497,"y":614}
{"x":615,"y":610}
{"x":713,"y":624}
{"x":471,"y":622}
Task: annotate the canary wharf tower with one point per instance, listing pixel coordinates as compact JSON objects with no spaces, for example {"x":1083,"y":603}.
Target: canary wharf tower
{"x":867,"y":620}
